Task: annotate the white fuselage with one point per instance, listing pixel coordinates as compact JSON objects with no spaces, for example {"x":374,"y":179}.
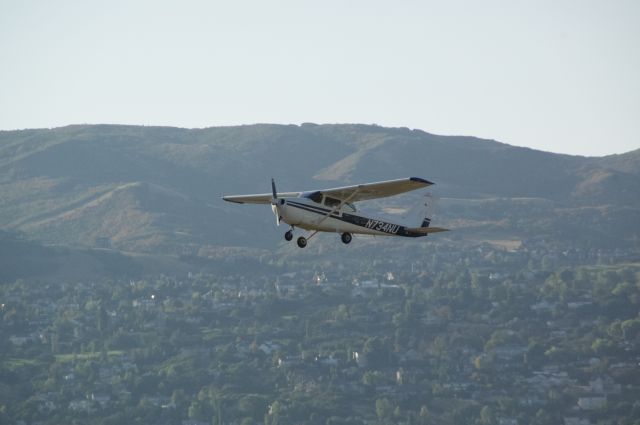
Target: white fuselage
{"x":307,"y":214}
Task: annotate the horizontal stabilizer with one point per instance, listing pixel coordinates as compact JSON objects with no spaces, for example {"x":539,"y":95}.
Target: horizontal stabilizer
{"x":427,"y":230}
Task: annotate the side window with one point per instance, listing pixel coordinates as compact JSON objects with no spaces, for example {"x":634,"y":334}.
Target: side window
{"x":331,"y":202}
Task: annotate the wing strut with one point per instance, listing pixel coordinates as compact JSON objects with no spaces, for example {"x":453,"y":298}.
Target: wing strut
{"x":336,"y":208}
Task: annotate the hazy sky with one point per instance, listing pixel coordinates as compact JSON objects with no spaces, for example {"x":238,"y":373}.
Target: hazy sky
{"x":555,"y":75}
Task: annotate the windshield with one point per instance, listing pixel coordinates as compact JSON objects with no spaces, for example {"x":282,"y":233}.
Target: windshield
{"x":314,"y":196}
{"x":329,"y":201}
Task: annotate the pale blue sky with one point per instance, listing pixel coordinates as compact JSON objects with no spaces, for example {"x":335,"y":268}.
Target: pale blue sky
{"x":562,"y":76}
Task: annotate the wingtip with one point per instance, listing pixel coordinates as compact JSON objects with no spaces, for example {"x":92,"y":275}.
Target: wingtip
{"x":421,"y":180}
{"x":224,"y":198}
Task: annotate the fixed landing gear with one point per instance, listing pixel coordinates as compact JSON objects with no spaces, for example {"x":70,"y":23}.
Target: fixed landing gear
{"x":302,"y":241}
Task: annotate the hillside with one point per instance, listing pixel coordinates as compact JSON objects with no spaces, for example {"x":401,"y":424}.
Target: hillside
{"x":157,"y":190}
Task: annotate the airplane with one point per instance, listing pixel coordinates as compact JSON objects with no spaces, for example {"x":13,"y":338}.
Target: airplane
{"x":333,"y":210}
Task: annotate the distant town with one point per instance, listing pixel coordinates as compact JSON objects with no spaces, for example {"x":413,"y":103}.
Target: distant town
{"x":486,"y":335}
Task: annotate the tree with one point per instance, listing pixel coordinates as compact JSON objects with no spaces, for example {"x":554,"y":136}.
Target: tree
{"x":486,"y":416}
{"x":425,"y":417}
{"x":630,"y":328}
{"x":275,"y":414}
{"x":197,"y":410}
{"x":342,"y":313}
{"x":383,"y":410}
{"x":376,"y":352}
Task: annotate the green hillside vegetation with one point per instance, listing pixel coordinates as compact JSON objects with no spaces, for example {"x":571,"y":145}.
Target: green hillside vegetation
{"x":131,"y":293}
{"x":157,"y":189}
{"x":479,"y":336}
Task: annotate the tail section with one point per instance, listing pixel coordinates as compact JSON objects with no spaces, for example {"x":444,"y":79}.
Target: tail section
{"x":421,"y":213}
{"x":423,"y":221}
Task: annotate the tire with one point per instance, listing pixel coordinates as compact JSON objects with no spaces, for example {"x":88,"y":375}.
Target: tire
{"x":346,"y":238}
{"x":302,"y":241}
{"x":289,"y":235}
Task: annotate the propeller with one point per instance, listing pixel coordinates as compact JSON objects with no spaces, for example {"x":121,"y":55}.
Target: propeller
{"x":274,"y":201}
{"x":273,"y":189}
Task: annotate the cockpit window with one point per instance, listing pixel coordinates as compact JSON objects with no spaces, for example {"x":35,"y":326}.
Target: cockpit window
{"x":329,"y":201}
{"x":315,"y":197}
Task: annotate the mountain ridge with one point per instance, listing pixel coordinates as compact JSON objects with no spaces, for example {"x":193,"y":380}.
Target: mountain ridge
{"x":159,"y":187}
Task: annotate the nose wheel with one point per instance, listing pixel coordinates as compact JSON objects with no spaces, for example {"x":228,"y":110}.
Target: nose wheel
{"x":301,"y":241}
{"x":346,"y":238}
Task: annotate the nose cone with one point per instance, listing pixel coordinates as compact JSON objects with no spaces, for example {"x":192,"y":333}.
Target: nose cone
{"x":276,"y":211}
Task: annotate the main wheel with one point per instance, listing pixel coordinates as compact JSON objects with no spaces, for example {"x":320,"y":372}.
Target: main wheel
{"x":346,"y":237}
{"x":289,"y":235}
{"x":302,"y":241}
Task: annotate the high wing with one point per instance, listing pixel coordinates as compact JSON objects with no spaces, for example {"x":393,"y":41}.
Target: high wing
{"x":367,"y":191}
{"x":261,"y":198}
{"x":355,"y":193}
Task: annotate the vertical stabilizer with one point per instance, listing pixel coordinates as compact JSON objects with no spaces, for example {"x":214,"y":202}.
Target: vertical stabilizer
{"x":420,"y":214}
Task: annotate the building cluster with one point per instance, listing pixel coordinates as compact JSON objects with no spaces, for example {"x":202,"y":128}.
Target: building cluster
{"x":493,"y":337}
